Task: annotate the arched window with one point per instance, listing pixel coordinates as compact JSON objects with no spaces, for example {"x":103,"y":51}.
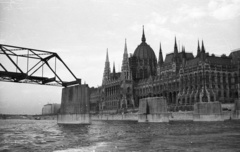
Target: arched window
{"x":229,"y":79}
{"x":145,"y":75}
{"x":128,"y":89}
{"x":224,"y":78}
{"x":207,"y":77}
{"x":141,"y":73}
{"x":218,"y":78}
{"x":235,"y":78}
{"x":213,"y":77}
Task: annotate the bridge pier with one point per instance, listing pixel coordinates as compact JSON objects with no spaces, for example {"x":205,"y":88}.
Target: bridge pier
{"x":208,"y":111}
{"x":153,"y":109}
{"x":75,"y":105}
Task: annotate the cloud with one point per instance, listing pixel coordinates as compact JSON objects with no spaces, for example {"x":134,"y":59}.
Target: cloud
{"x":224,"y":9}
{"x":218,"y":9}
{"x":185,"y":13}
{"x":154,"y":25}
{"x":157,"y":18}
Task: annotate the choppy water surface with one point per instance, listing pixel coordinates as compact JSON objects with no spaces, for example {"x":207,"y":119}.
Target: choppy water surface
{"x":46,"y":135}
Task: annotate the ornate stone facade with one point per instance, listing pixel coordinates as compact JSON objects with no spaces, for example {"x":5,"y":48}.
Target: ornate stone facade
{"x":182,"y":78}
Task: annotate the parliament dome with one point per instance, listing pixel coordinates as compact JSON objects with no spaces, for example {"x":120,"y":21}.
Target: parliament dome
{"x":144,"y":51}
{"x":144,"y":61}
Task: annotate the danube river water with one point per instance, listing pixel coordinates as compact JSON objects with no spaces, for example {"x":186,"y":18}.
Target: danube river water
{"x":46,"y":135}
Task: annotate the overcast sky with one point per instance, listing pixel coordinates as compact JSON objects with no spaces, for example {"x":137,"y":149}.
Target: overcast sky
{"x":80,"y":32}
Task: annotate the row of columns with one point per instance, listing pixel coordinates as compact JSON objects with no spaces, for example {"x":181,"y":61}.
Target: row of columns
{"x":111,"y":91}
{"x":158,"y":89}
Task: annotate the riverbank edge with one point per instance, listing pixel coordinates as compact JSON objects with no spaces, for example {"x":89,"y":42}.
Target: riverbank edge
{"x":173,"y":116}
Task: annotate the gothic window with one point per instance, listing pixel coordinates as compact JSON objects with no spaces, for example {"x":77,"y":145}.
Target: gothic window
{"x":218,"y":77}
{"x":128,"y":90}
{"x":190,"y":79}
{"x":229,"y":79}
{"x":219,"y":93}
{"x":224,"y":78}
{"x":236,"y":94}
{"x":207,"y":77}
{"x":235,"y":78}
{"x":200,"y":78}
{"x":212,"y":77}
{"x":145,"y":73}
{"x":140,"y":73}
{"x":212,"y":98}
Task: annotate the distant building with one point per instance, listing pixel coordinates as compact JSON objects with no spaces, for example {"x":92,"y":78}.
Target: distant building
{"x":49,"y":109}
{"x":95,"y":97}
{"x":182,"y":78}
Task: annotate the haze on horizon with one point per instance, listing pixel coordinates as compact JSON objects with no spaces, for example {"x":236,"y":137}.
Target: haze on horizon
{"x":81,"y":31}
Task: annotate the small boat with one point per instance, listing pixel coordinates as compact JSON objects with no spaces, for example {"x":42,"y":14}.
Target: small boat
{"x":37,"y":118}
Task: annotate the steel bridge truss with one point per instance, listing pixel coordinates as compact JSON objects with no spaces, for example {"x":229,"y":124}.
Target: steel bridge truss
{"x":42,"y":58}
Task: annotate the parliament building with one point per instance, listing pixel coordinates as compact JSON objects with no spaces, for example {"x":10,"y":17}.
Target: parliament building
{"x":182,"y":78}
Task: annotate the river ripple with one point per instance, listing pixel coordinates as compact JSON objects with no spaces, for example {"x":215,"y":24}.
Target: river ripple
{"x":46,"y":135}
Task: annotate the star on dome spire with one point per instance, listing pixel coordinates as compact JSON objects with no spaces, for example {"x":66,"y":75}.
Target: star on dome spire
{"x":143,"y":36}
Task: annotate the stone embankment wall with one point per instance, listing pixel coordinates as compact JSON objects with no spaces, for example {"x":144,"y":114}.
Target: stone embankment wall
{"x":132,"y":117}
{"x":173,"y":116}
{"x":181,"y":116}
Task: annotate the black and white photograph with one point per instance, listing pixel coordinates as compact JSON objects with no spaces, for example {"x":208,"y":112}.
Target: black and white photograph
{"x":119,"y":75}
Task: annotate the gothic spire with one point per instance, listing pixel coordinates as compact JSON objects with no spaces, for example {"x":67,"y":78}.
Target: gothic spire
{"x":198,"y":49}
{"x":175,"y":48}
{"x":125,"y":47}
{"x":143,"y":36}
{"x":183,"y":52}
{"x":114,"y":71}
{"x":125,"y":57}
{"x":107,"y":60}
{"x":160,"y":57}
{"x":107,"y":69}
{"x":203,"y":48}
{"x":126,"y":73}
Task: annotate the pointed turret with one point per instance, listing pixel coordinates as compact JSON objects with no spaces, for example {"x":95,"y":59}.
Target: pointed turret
{"x":160,"y":57}
{"x":175,"y":50}
{"x":143,"y":36}
{"x":203,"y":48}
{"x":184,"y":57}
{"x":107,"y":69}
{"x":114,"y":71}
{"x":203,"y":51}
{"x":198,"y":50}
{"x":125,"y":57}
{"x":183,"y":52}
{"x":125,"y":47}
{"x":107,"y":59}
{"x":126,"y":73}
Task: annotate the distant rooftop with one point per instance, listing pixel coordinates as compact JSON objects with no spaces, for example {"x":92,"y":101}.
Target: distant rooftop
{"x":238,"y":49}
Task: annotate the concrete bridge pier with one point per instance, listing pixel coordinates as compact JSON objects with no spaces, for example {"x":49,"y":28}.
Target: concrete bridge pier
{"x":75,"y":105}
{"x":153,"y":109}
{"x":237,"y":110}
{"x":208,"y":111}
